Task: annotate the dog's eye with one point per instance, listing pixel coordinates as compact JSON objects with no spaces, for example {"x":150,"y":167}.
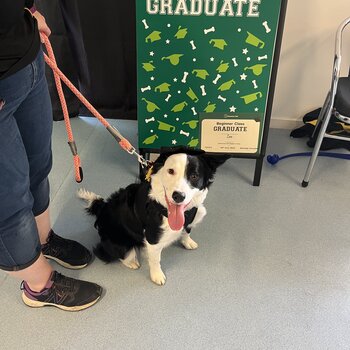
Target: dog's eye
{"x":194,"y":177}
{"x":171,"y":171}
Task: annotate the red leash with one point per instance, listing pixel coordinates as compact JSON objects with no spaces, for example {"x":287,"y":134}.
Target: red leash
{"x":123,"y":142}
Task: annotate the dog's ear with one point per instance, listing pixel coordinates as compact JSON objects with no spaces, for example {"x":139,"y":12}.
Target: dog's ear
{"x":214,"y":161}
{"x":211,"y":162}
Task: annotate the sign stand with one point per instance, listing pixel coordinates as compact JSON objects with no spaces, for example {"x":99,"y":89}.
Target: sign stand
{"x":206,"y":74}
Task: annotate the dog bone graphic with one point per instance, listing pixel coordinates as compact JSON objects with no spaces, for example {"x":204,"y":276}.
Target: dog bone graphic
{"x":268,"y":30}
{"x":234,"y":60}
{"x":222,"y":98}
{"x":184,"y":79}
{"x":216,"y":79}
{"x":184,"y":133}
{"x":145,"y":24}
{"x":262,"y":58}
{"x":148,"y":88}
{"x":209,"y":30}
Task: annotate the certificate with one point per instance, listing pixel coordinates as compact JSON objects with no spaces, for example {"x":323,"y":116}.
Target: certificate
{"x":230,"y":135}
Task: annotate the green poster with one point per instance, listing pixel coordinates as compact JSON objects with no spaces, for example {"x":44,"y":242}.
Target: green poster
{"x":198,"y":57}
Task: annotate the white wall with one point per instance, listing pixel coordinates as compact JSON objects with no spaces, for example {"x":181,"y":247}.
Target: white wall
{"x":306,"y":60}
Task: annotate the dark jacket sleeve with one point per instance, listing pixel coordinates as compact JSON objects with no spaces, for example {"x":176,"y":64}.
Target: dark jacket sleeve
{"x":11,"y":13}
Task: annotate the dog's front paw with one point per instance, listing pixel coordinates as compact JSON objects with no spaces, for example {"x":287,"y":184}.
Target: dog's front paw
{"x":188,"y":242}
{"x":158,"y":277}
{"x":134,"y":264}
{"x":131,"y":261}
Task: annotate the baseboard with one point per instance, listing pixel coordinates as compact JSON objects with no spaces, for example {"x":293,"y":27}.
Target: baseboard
{"x":290,"y":124}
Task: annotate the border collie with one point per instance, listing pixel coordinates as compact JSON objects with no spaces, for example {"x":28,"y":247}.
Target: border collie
{"x":155,"y":212}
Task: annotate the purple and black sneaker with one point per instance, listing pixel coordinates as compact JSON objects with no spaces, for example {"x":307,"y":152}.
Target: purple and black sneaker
{"x":66,"y":293}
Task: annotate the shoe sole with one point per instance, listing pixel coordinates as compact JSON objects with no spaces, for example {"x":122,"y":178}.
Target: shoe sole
{"x":37,"y":304}
{"x":66,"y":265}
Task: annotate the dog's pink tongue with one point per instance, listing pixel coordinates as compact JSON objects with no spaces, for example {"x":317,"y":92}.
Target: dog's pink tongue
{"x":176,"y":216}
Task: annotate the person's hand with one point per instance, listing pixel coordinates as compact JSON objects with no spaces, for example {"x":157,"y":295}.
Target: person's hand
{"x":43,"y":27}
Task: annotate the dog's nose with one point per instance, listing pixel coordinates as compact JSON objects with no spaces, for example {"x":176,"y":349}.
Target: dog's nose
{"x":179,"y":197}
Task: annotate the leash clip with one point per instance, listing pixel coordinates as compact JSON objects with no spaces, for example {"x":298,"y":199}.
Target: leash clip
{"x":143,"y":162}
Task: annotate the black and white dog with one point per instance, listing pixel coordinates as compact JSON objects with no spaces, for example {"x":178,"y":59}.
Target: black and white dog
{"x":155,"y":213}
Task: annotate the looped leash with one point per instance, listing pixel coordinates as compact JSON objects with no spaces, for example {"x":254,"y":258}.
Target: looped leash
{"x":59,"y":76}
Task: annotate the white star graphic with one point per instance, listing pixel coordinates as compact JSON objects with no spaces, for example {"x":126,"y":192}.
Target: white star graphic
{"x":165,"y":116}
{"x":256,"y":109}
{"x":245,"y":51}
{"x":233,"y":109}
{"x":175,"y":80}
{"x":152,"y":78}
{"x":244,"y":76}
{"x":174,"y":142}
{"x":167,"y":41}
{"x":212,"y":59}
{"x":151,"y":53}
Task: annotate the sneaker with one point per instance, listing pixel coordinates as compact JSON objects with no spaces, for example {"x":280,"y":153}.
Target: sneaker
{"x":68,"y":253}
{"x":63,"y":292}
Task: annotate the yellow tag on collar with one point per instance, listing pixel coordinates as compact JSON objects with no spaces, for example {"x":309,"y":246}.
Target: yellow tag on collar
{"x":149,"y":174}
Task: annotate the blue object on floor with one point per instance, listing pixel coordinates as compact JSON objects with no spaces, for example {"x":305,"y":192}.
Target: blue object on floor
{"x":275,"y":158}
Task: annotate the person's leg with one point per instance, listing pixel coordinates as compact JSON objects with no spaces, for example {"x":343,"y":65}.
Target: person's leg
{"x":36,"y":275}
{"x":20,"y":248}
{"x":34,"y":119}
{"x":43,"y":223}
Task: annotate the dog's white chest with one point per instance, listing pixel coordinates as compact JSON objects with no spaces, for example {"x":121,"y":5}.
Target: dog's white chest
{"x":169,"y":236}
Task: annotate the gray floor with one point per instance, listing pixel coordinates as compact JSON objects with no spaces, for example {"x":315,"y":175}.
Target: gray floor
{"x":272,"y":270}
